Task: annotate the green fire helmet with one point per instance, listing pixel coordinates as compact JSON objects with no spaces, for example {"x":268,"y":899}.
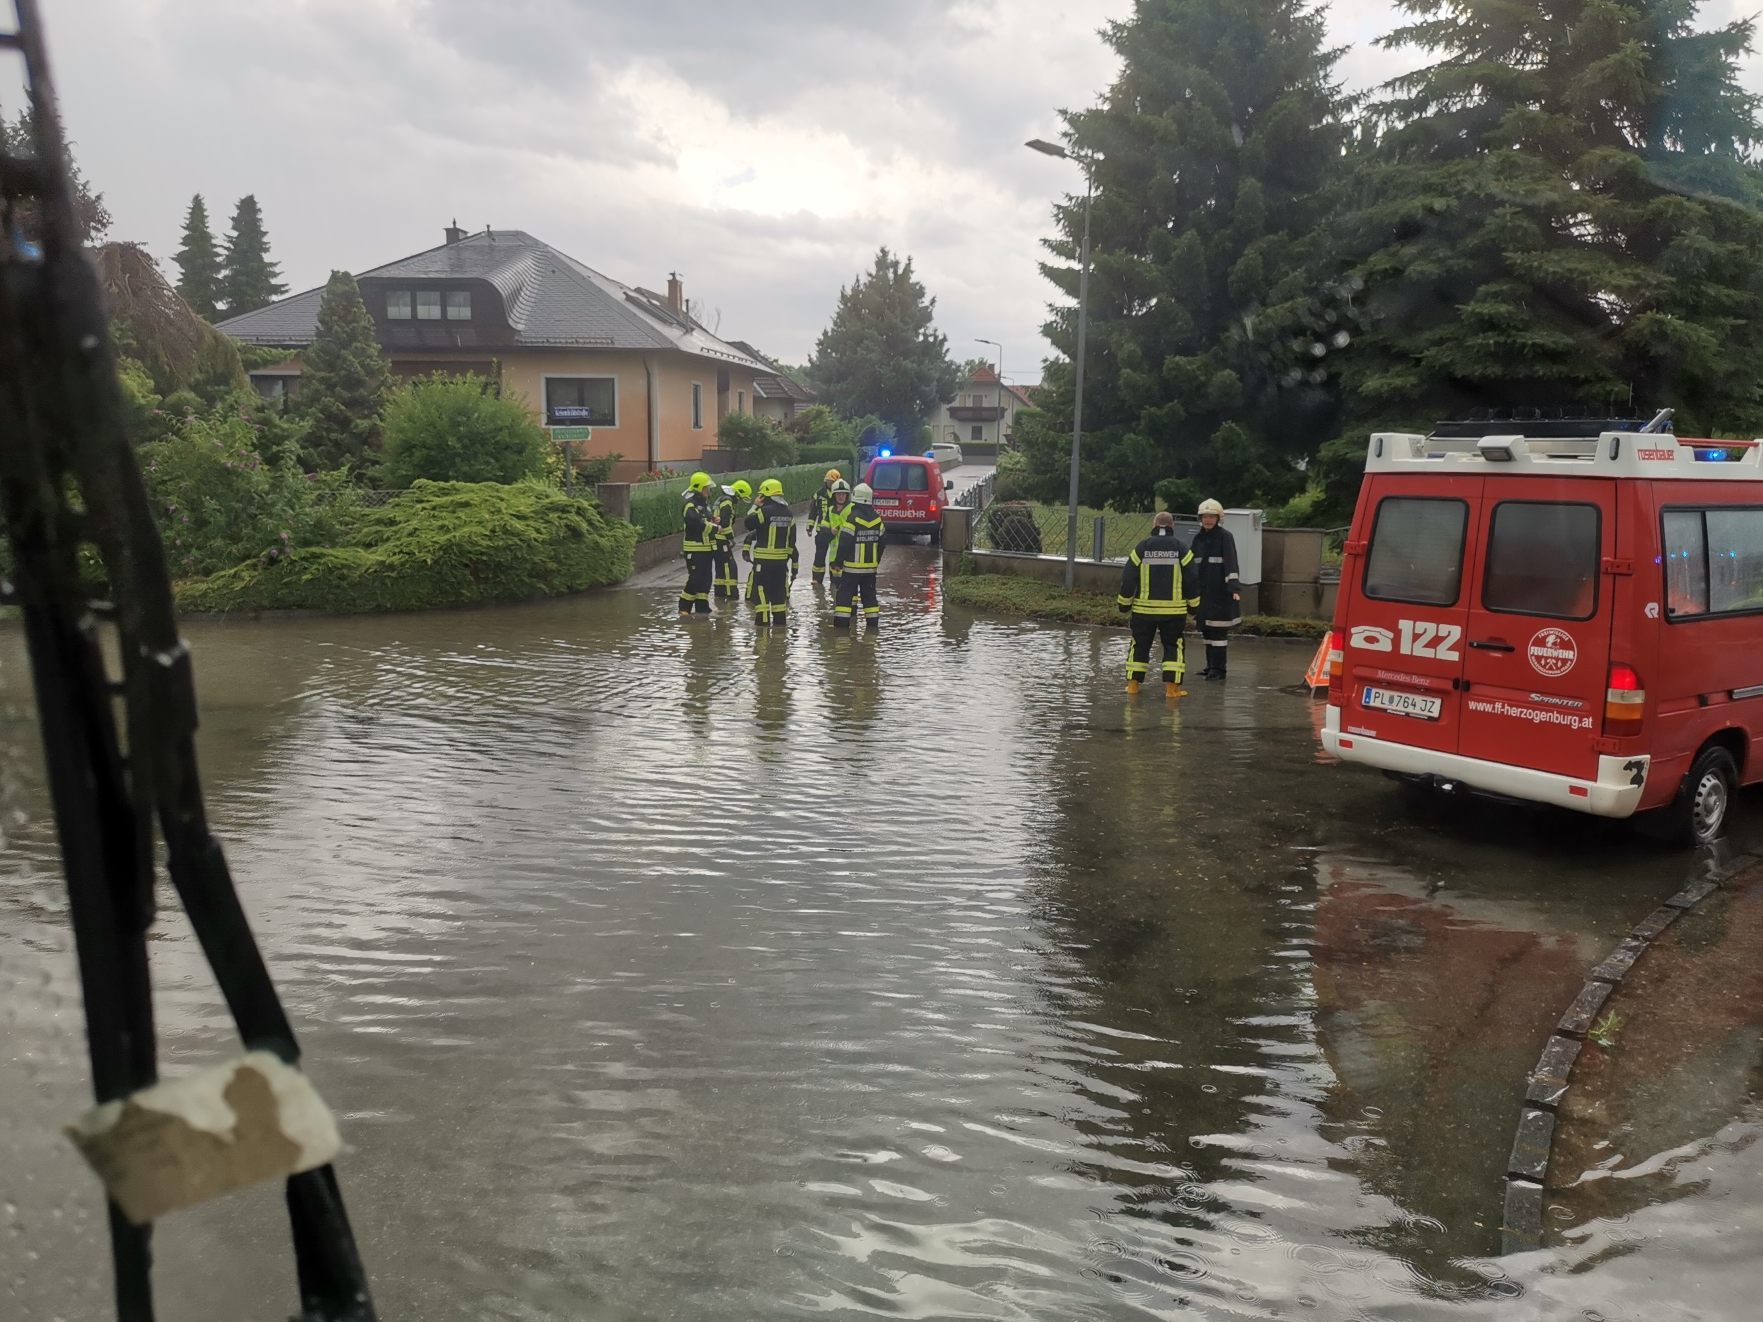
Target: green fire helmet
{"x":742,"y":489}
{"x":771,"y":487}
{"x":700,"y":482}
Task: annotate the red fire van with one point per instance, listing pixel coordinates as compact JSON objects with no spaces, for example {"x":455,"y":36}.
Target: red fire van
{"x":1562,"y":612}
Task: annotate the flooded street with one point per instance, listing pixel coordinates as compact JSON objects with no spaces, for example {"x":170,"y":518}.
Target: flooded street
{"x":656,"y":970}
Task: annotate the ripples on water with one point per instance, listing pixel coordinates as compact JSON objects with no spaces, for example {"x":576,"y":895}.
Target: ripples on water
{"x":659,"y":971}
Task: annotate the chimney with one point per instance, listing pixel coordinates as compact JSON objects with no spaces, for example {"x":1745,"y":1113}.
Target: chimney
{"x":454,"y":233}
{"x":676,"y":293}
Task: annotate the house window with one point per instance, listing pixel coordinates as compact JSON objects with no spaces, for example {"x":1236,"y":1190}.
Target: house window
{"x":978,"y":433}
{"x":740,"y":401}
{"x":697,"y":406}
{"x":428,"y":305}
{"x":458,"y":305}
{"x":581,"y":401}
{"x":398,"y":305}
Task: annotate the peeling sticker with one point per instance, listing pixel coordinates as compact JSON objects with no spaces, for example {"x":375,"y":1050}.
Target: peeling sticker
{"x":188,"y":1140}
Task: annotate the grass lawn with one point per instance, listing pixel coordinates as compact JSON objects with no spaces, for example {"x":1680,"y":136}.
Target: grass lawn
{"x":1005,"y":594}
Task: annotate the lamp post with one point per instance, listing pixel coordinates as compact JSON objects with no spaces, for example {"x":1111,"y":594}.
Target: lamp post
{"x":1087,"y":160}
{"x":980,"y":339}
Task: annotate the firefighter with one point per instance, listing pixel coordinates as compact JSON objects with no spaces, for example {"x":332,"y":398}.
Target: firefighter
{"x":837,"y":509}
{"x":1220,"y":589}
{"x":724,"y":513}
{"x":820,"y":524}
{"x":775,"y":554}
{"x":699,"y":547}
{"x":1157,"y":590}
{"x":856,"y":556}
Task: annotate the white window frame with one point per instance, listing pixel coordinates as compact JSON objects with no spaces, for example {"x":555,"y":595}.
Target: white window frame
{"x":697,"y":406}
{"x":409,"y":312}
{"x":449,"y":309}
{"x":439,"y":304}
{"x":545,"y":379}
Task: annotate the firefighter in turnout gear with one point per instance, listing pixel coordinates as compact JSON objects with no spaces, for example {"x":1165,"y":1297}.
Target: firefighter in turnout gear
{"x":724,"y":513}
{"x":775,"y":554}
{"x":838,"y":508}
{"x":1157,"y":589}
{"x":820,"y":506}
{"x":855,"y":558}
{"x":699,"y":547}
{"x":1220,"y":589}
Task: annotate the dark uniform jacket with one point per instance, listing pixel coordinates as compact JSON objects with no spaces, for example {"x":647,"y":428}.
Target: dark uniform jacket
{"x":1158,"y":578}
{"x":774,"y":531}
{"x":857,"y":540}
{"x":1215,"y":574}
{"x":724,"y":513}
{"x":820,"y":506}
{"x":698,"y":527}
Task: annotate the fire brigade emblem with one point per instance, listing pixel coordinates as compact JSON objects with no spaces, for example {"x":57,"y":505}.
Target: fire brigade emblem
{"x":1552,"y":652}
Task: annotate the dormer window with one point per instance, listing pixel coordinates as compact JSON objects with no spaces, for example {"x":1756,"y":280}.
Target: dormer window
{"x":428,"y":305}
{"x":398,"y":305}
{"x":458,"y":305}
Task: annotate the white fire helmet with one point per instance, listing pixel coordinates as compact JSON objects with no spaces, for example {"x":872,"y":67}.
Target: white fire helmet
{"x":1211,"y":507}
{"x":862,"y":493}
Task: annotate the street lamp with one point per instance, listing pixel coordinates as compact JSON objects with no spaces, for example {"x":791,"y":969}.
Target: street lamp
{"x":1087,"y":160}
{"x":980,"y":339}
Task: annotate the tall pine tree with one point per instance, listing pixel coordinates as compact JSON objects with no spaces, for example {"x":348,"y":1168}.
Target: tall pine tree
{"x":881,"y":355}
{"x":345,"y":381}
{"x":1214,"y":152}
{"x":249,"y":280}
{"x":1560,"y":210}
{"x":199,"y":262}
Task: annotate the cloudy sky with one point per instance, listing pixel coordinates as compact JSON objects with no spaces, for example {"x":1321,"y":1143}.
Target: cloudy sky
{"x":764,"y":151}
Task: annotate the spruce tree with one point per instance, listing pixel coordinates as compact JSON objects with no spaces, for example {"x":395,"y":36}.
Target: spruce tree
{"x":1213,"y":157}
{"x":1560,"y":211}
{"x":345,"y":381}
{"x":249,"y":281}
{"x":881,"y":355}
{"x":199,"y":262}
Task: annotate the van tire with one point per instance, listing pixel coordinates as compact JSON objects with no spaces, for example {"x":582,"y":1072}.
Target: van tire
{"x":1703,"y":806}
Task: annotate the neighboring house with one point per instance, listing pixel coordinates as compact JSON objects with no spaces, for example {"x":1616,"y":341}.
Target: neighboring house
{"x":984,"y":409}
{"x":582,"y":349}
{"x":778,"y":396}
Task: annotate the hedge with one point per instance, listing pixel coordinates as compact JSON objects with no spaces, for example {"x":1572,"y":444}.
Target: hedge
{"x":658,"y":509}
{"x":1007,"y":594}
{"x":437,"y":545}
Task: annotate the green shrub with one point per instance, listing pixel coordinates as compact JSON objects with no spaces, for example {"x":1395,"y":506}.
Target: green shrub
{"x":658,"y":507}
{"x":839,"y":456}
{"x":1012,"y":482}
{"x":219,"y":499}
{"x":755,"y":442}
{"x":456,"y":429}
{"x":440,"y":544}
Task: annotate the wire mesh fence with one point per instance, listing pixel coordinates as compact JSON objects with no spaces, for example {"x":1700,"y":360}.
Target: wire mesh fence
{"x":1025,"y":528}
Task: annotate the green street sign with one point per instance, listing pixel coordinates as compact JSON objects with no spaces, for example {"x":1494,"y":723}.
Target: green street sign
{"x":572,"y":433}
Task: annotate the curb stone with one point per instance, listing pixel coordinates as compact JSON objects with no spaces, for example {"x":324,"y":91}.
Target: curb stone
{"x":1521,"y":1221}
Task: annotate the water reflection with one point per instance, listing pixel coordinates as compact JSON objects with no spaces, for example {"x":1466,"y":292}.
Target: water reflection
{"x":664,"y":970}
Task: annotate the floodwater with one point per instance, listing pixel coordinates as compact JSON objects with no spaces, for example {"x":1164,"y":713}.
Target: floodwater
{"x":656,"y":971}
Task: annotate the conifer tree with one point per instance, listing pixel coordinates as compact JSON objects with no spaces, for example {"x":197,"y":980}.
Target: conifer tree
{"x":1560,"y":210}
{"x":249,"y":281}
{"x":1214,"y":153}
{"x":199,"y":262}
{"x":345,"y":381}
{"x":881,"y":355}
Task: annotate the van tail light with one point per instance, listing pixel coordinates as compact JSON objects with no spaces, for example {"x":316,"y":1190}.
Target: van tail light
{"x":1337,"y":670}
{"x":1625,"y":702}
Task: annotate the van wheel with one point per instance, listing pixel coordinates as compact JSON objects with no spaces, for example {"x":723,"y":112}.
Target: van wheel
{"x":1698,"y":815}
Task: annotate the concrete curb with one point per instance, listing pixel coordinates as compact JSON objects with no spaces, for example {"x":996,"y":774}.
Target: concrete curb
{"x":1527,"y":1168}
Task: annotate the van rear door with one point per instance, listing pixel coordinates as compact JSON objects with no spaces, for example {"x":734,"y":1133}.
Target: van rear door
{"x":1402,"y":644}
{"x":1538,"y":649}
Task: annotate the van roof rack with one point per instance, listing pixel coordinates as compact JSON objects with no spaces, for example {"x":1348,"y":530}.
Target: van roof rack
{"x":1564,"y":446}
{"x":1540,"y":424}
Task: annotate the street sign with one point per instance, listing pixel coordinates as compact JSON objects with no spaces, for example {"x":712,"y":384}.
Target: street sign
{"x":572,"y":433}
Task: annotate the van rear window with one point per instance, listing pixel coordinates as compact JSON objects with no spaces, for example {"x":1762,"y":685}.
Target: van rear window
{"x":900,"y":477}
{"x":1417,"y":550}
{"x":1542,"y":560}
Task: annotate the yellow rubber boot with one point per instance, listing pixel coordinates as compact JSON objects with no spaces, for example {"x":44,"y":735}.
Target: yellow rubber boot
{"x":1171,"y":689}
{"x":1132,"y":687}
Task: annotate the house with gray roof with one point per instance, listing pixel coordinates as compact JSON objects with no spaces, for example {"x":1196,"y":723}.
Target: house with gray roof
{"x":622,"y":369}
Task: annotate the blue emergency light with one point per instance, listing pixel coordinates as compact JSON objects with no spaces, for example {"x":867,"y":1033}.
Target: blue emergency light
{"x":887,"y":454}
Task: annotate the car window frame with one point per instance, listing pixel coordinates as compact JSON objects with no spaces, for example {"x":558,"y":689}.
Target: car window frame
{"x":1597,"y":559}
{"x":1371,"y":549}
{"x":1702,"y":510}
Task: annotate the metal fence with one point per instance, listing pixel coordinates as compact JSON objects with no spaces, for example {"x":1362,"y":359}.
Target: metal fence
{"x":1025,"y":528}
{"x":979,"y":495}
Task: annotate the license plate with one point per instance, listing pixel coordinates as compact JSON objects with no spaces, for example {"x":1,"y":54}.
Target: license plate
{"x":885,"y":500}
{"x":1422,"y":706}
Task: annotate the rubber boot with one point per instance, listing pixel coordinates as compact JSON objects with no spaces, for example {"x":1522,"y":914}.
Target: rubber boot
{"x":1171,"y":689}
{"x":1132,"y":687}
